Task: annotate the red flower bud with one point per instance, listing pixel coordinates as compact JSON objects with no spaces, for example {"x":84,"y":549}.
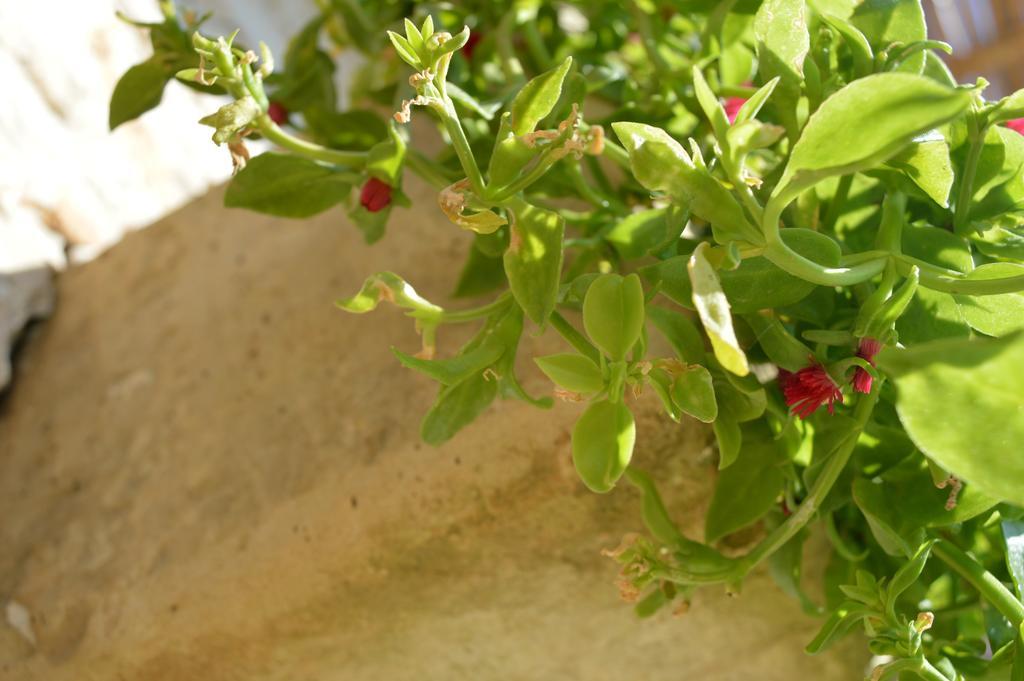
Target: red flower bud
{"x":1016,"y":124}
{"x":733,"y":106}
{"x":278,"y":113}
{"x":808,"y":389}
{"x":376,"y":195}
{"x":867,"y":350}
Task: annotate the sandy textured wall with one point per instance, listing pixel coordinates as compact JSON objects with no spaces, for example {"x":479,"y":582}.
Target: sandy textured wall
{"x":207,"y":472}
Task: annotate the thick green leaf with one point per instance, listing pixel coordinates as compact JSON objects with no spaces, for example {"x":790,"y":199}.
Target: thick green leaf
{"x":694,"y":393}
{"x":355,"y":129}
{"x":140,"y":89}
{"x":1013,"y":533}
{"x":288,"y":186}
{"x":538,"y":98}
{"x":613,"y":313}
{"x":456,"y":407}
{"x":482,"y":273}
{"x":865,"y":123}
{"x":932,"y":315}
{"x":533,"y":261}
{"x":998,"y":198}
{"x":997,"y":315}
{"x":572,"y":372}
{"x":961,"y":402}
{"x":662,"y":165}
{"x":748,"y":489}
{"x":602,"y":444}
{"x":713,"y":308}
{"x":639,"y":232}
{"x":782,"y":44}
{"x":926,"y":162}
{"x":389,"y":287}
{"x":782,"y":348}
{"x":680,"y":332}
{"x":882,"y":22}
{"x":455,"y":369}
{"x":729,"y":437}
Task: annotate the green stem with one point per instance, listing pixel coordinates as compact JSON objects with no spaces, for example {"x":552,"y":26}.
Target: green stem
{"x":431,"y":172}
{"x":574,"y":337}
{"x":838,"y":200}
{"x":535,"y":44}
{"x":990,"y":588}
{"x":269,"y":129}
{"x":976,"y":139}
{"x":822,"y":486}
{"x":461,"y":145}
{"x":472,"y":314}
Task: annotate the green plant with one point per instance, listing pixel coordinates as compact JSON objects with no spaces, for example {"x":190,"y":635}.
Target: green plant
{"x":841,"y":229}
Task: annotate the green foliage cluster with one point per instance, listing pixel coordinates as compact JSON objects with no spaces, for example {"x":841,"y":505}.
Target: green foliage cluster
{"x":796,"y":194}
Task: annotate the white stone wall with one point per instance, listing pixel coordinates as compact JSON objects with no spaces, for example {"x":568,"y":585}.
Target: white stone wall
{"x":69,"y":188}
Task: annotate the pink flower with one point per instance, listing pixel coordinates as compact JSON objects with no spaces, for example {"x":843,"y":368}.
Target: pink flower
{"x":733,"y":106}
{"x":376,"y":195}
{"x":278,"y":113}
{"x":1016,"y":124}
{"x":808,"y":389}
{"x":867,"y":350}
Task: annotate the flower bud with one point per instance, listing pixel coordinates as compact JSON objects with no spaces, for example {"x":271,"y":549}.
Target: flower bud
{"x":376,"y":195}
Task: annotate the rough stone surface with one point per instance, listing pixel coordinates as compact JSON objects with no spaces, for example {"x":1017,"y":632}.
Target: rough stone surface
{"x":208,"y":472}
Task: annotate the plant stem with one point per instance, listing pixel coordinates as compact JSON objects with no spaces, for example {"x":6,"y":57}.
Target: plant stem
{"x":461,"y":145}
{"x":574,"y":337}
{"x":838,"y":199}
{"x":270,"y":130}
{"x":471,"y":314}
{"x":822,"y":486}
{"x":976,"y":139}
{"x":981,"y":579}
{"x":431,"y":172}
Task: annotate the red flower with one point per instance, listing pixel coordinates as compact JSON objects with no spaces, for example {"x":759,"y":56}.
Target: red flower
{"x":867,"y":350}
{"x":376,"y":195}
{"x":1016,"y":124}
{"x":278,"y":113}
{"x":808,"y":389}
{"x":733,"y":106}
{"x":470,"y":46}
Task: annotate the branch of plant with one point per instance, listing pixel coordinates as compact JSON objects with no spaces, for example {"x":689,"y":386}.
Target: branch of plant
{"x":990,"y":588}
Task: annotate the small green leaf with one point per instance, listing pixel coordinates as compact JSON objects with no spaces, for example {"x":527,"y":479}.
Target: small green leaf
{"x":961,"y":401}
{"x":713,"y":308}
{"x":660,"y":164}
{"x":533,"y":261}
{"x":602,"y":444}
{"x":288,"y":186}
{"x":694,"y":393}
{"x":748,"y":489}
{"x":574,"y":373}
{"x":781,"y":347}
{"x":384,"y":161}
{"x":390,"y":287}
{"x":613,"y":313}
{"x":908,"y":573}
{"x":711,"y":106}
{"x":729,"y":437}
{"x":456,"y":407}
{"x":1013,"y":533}
{"x":639,"y":232}
{"x":997,"y":315}
{"x":836,"y":626}
{"x":782,"y":44}
{"x":456,"y":369}
{"x":865,"y":123}
{"x":926,"y":162}
{"x":140,"y":89}
{"x":538,"y":98}
{"x":655,"y":515}
{"x":752,"y":106}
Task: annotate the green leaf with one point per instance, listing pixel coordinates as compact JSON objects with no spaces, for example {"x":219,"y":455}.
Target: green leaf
{"x":572,"y":372}
{"x":753,"y":105}
{"x":602,"y":444}
{"x":997,"y":315}
{"x":711,"y":106}
{"x":694,"y":393}
{"x":456,"y":407}
{"x":757,"y":284}
{"x":998,"y":198}
{"x":533,"y":261}
{"x":729,"y":437}
{"x":140,"y":89}
{"x":960,"y":401}
{"x":481,"y":274}
{"x":456,"y":369}
{"x":655,"y":515}
{"x":355,"y":129}
{"x":748,"y":489}
{"x":780,"y":27}
{"x":837,"y":625}
{"x":639,"y":232}
{"x":781,"y":347}
{"x":1013,"y":533}
{"x":384,"y":160}
{"x":660,"y":164}
{"x":538,"y":98}
{"x":882,"y":22}
{"x":613,"y":313}
{"x":926,"y":162}
{"x":680,"y":332}
{"x":865,"y":123}
{"x":908,"y":573}
{"x":390,"y":287}
{"x":287,"y":186}
{"x":713,"y":308}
